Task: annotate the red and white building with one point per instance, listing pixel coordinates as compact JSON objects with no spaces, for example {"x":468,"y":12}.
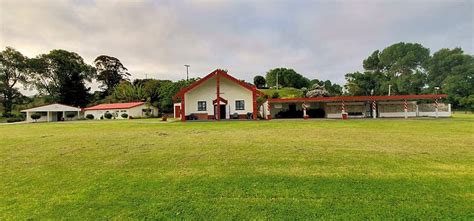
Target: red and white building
{"x":217,"y":96}
{"x":220,"y":96}
{"x":132,"y":109}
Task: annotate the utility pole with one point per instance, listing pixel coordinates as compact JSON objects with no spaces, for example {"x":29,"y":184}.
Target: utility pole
{"x":187,"y":71}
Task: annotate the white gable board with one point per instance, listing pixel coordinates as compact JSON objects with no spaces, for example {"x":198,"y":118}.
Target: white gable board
{"x":52,"y":107}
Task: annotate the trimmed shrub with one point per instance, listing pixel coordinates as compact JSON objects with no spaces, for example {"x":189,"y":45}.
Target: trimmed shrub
{"x":108,"y":115}
{"x":101,"y":117}
{"x":124,"y":115}
{"x":275,"y":95}
{"x":90,"y":117}
{"x":15,"y":118}
{"x":164,"y":118}
{"x":35,"y":116}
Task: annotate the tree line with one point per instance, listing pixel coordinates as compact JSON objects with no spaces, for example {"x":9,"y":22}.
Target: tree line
{"x":61,"y":76}
{"x":405,"y":68}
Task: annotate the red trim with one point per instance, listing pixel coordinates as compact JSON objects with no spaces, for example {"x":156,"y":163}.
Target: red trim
{"x":218,"y":94}
{"x":359,"y":98}
{"x":114,"y":106}
{"x":254,"y":101}
{"x":220,"y":99}
{"x":209,"y":76}
{"x":183,"y":113}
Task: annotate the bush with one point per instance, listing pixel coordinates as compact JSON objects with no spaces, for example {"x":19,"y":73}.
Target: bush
{"x":275,"y":95}
{"x":8,"y":115}
{"x":90,"y":117}
{"x":124,"y":115}
{"x":164,"y":118}
{"x":15,"y":118}
{"x":35,"y":116}
{"x":70,"y":115}
{"x":101,"y":117}
{"x":108,"y":115}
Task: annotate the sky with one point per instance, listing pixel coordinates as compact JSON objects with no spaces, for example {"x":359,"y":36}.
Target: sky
{"x":319,"y":39}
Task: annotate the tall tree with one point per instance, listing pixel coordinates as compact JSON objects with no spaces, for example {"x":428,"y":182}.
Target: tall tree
{"x":453,"y":72}
{"x":367,"y":83}
{"x":401,"y":65}
{"x":62,"y":75}
{"x":13,"y":71}
{"x":259,"y":81}
{"x":110,"y":72}
{"x":127,"y":92}
{"x":286,"y":78}
{"x":168,"y":90}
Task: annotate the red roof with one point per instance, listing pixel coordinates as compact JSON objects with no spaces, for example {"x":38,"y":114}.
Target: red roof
{"x":360,"y":98}
{"x":215,"y":73}
{"x":114,"y":106}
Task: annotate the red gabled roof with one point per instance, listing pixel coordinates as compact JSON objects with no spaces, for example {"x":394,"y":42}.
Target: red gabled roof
{"x":212,"y":74}
{"x":359,"y":98}
{"x":114,"y":106}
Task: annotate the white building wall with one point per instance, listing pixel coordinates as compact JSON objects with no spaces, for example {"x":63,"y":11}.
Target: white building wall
{"x":132,"y":112}
{"x":53,"y":116}
{"x":207,"y":92}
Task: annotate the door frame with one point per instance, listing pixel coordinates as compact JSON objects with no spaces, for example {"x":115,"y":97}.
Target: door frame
{"x":223,"y":113}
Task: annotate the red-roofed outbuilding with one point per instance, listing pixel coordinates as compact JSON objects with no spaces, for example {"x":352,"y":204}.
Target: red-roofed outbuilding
{"x":121,"y":110}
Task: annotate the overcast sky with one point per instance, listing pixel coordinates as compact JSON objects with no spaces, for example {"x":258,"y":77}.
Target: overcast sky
{"x":319,"y":39}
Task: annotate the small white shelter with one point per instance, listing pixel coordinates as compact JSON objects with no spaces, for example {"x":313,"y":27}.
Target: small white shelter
{"x":53,"y":112}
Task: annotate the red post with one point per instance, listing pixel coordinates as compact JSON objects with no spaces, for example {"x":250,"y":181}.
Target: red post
{"x":254,"y":101}
{"x":343,"y":111}
{"x":218,"y":100}
{"x":183,"y":113}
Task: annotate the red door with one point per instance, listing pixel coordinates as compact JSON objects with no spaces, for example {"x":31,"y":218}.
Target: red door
{"x":177,"y":111}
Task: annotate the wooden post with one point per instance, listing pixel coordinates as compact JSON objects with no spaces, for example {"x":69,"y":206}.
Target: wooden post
{"x":218,"y":100}
{"x":343,"y":110}
{"x":254,"y":103}
{"x":183,"y":116}
{"x":406,"y":109}
{"x":374,"y":109}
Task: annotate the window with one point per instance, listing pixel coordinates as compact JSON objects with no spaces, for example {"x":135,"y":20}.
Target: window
{"x":239,"y":105}
{"x":201,"y":106}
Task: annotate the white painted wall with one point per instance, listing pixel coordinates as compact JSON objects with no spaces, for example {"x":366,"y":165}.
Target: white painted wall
{"x":229,"y":90}
{"x":132,"y":112}
{"x":53,"y":116}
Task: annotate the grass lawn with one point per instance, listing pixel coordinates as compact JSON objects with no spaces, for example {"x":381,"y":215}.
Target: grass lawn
{"x":138,"y":169}
{"x":286,"y":92}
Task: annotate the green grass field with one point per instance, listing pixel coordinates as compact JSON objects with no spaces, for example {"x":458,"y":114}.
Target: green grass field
{"x":286,"y":92}
{"x":294,"y":169}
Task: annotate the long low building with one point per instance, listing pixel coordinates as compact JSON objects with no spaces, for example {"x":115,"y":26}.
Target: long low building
{"x":220,"y":96}
{"x":121,"y":110}
{"x":426,"y":105}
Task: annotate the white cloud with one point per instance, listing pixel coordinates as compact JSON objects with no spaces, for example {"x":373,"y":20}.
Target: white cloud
{"x":320,"y":39}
